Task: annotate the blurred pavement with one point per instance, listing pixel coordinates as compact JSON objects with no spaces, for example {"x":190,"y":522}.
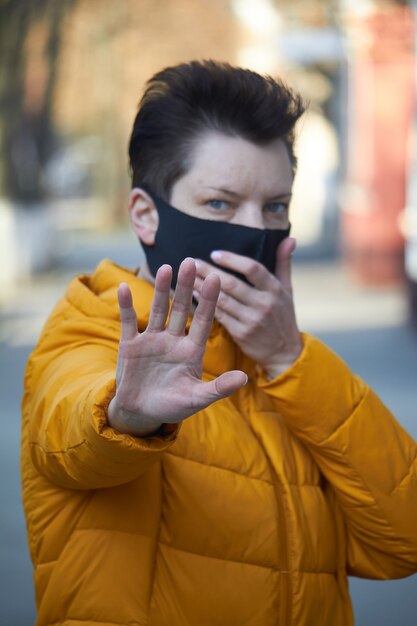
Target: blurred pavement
{"x":367,"y":327}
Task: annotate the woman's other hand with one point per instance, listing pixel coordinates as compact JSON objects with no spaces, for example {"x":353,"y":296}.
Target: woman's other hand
{"x":260,"y":318}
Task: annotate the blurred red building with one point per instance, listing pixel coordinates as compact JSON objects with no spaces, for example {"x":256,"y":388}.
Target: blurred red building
{"x":381,"y":103}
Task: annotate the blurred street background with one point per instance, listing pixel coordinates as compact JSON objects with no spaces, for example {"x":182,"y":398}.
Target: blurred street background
{"x":71,"y":76}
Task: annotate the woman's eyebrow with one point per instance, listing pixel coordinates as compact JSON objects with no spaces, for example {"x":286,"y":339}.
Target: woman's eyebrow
{"x":223,"y":190}
{"x":281,"y":196}
{"x":278,"y":196}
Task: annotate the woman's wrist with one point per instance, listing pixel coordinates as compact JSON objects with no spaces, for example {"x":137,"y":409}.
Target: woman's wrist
{"x":281,"y":364}
{"x":129,"y":423}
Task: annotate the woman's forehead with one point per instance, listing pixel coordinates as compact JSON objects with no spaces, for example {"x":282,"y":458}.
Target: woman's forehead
{"x":225,"y":162}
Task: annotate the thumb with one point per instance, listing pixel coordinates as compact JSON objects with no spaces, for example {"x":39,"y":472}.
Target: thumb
{"x":221,"y":387}
{"x":283,"y":264}
{"x":229,"y":382}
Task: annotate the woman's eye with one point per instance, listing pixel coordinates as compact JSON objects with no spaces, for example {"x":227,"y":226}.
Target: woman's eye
{"x":218,"y":204}
{"x":277,"y":207}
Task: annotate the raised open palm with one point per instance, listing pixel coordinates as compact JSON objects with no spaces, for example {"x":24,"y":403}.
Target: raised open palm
{"x":159,"y":370}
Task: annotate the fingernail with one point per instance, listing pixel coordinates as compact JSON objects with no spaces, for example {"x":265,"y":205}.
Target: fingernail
{"x":216,"y":255}
{"x":196,"y":294}
{"x":198,"y":263}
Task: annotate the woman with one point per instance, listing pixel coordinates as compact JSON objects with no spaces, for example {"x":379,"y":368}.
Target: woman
{"x":218,"y":466}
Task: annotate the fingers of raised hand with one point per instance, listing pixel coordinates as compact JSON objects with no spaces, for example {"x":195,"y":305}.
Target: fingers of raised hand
{"x":204,"y":313}
{"x":226,"y":303}
{"x":160,"y":303}
{"x":229,"y":284}
{"x":127,"y":312}
{"x":181,"y":303}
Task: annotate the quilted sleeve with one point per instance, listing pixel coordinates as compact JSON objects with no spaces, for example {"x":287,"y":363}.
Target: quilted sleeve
{"x":69,"y":382}
{"x":362,"y":451}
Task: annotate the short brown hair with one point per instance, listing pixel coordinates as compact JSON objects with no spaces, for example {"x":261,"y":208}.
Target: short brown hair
{"x":182,"y":102}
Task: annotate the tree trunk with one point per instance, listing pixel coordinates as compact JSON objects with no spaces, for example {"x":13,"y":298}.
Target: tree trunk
{"x":29,"y":46}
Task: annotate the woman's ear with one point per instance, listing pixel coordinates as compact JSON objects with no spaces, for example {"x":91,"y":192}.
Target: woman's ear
{"x":143,"y":215}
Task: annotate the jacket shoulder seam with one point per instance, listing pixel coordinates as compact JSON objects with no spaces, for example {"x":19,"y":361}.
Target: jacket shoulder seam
{"x":347,"y":419}
{"x":408,"y":472}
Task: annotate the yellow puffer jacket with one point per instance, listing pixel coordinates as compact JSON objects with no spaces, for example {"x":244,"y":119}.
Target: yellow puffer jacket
{"x":250,"y":514}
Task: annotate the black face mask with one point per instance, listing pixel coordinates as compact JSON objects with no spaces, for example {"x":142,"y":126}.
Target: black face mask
{"x":180,"y":235}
